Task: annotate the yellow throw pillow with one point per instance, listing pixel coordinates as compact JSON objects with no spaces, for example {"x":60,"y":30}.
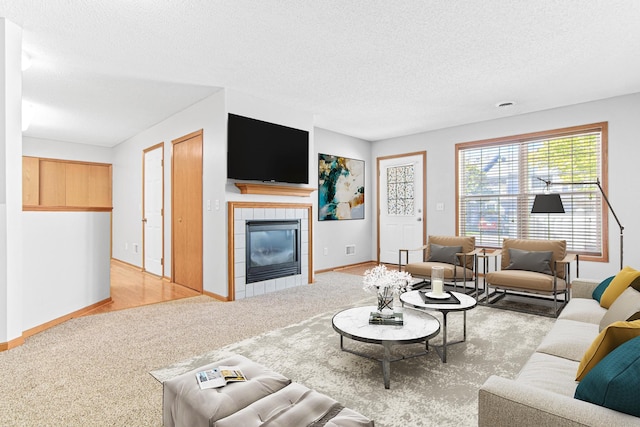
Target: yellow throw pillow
{"x":611,"y":337}
{"x":617,"y":286}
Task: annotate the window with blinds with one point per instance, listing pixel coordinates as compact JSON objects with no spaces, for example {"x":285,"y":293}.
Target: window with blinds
{"x":498,"y":180}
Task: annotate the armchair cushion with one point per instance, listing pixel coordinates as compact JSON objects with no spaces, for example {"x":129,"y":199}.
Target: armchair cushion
{"x":537,"y":261}
{"x":468,"y":244}
{"x":558,"y":247}
{"x":525,"y":280}
{"x":446,"y":254}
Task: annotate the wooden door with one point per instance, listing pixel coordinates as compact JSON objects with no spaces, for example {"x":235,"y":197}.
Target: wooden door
{"x":186,"y":216}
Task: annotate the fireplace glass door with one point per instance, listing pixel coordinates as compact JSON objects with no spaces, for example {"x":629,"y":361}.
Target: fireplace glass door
{"x":272,"y":249}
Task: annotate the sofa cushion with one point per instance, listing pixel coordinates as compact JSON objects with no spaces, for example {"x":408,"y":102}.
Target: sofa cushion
{"x":583,"y":310}
{"x":551,"y":373}
{"x":606,"y":341}
{"x":615,"y":381}
{"x":626,"y":306}
{"x":569,"y":339}
{"x":446,"y":254}
{"x":599,"y":290}
{"x":625,"y":278}
{"x":537,"y":261}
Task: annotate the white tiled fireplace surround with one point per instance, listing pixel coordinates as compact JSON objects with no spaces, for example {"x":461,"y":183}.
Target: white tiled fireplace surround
{"x":239,"y":213}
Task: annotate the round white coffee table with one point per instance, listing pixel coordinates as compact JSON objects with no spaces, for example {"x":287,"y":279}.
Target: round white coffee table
{"x":413,"y":299}
{"x":354,"y":323}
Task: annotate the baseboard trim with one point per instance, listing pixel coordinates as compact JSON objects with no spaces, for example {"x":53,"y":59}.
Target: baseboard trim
{"x":128,"y":264}
{"x":37,"y":329}
{"x":216,"y":296}
{"x":4,"y":346}
{"x":342,"y":267}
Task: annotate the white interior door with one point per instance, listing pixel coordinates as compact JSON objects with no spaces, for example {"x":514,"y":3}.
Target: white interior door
{"x":401,"y":215}
{"x":153,"y":211}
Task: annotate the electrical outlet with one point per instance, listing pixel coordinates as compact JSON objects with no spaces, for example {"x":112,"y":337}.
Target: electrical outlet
{"x":326,"y":251}
{"x":135,"y":248}
{"x":126,"y":246}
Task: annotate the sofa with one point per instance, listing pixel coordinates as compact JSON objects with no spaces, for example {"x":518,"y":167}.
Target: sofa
{"x":543,"y":392}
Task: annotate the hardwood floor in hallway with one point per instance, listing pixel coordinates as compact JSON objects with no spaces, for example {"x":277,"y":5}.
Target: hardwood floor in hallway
{"x":360,"y":269}
{"x":131,"y":287}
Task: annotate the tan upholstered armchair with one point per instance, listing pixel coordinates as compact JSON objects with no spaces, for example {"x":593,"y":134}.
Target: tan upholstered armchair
{"x":532,"y":266}
{"x":455,"y":253}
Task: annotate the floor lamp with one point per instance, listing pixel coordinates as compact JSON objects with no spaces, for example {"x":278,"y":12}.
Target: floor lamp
{"x":551,"y":203}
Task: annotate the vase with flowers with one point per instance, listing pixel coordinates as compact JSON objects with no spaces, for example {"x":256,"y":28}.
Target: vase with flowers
{"x":387,"y":284}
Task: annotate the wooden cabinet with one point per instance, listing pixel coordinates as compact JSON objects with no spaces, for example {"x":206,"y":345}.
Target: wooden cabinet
{"x":51,"y":184}
{"x":30,"y":181}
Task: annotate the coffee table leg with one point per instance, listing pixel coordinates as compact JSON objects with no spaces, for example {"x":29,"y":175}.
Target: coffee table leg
{"x":464,"y":326}
{"x":444,"y":336}
{"x":386,"y":364}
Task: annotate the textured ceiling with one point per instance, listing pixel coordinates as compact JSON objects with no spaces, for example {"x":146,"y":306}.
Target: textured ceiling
{"x":105,"y":70}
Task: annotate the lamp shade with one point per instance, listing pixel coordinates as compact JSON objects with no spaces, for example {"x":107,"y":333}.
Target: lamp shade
{"x":547,"y":203}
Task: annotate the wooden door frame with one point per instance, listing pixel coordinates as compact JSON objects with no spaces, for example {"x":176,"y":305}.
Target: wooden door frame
{"x":424,"y":193}
{"x":144,"y":153}
{"x":173,"y":258}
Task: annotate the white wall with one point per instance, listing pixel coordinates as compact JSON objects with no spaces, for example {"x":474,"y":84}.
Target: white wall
{"x":11,"y":293}
{"x":67,"y":263}
{"x":208,"y":115}
{"x":624,"y":189}
{"x":52,"y":149}
{"x":335,"y":235}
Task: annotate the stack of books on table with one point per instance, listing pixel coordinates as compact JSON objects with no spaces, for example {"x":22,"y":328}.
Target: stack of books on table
{"x":376,"y":318}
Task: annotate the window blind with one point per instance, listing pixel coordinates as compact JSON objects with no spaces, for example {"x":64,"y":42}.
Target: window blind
{"x":498,"y":180}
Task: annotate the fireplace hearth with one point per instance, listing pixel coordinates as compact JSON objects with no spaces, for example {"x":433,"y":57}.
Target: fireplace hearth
{"x":272,"y":249}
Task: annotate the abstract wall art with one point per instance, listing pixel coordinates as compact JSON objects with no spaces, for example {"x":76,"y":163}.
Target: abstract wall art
{"x":340,"y":188}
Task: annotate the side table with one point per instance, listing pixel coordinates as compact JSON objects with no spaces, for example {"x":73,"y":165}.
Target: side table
{"x":413,"y":299}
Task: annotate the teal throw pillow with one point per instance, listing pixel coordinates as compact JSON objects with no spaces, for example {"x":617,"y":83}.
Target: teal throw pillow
{"x":599,"y":290}
{"x":614,"y":382}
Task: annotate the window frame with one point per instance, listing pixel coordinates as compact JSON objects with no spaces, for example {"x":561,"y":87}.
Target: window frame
{"x":601,"y":127}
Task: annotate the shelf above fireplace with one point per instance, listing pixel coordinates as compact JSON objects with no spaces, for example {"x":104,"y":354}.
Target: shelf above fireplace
{"x":274,"y":190}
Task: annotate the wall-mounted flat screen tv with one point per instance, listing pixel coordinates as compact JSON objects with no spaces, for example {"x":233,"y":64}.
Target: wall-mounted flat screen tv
{"x":262,"y":151}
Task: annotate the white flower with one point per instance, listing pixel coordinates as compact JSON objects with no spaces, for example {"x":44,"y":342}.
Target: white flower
{"x":393,"y":280}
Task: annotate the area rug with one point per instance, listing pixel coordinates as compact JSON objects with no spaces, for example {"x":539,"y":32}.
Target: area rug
{"x":424,"y":391}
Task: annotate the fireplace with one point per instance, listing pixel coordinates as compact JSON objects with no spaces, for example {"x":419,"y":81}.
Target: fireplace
{"x":272,"y":249}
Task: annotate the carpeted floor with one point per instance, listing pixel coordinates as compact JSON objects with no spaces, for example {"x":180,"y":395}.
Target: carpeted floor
{"x":95,"y":370}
